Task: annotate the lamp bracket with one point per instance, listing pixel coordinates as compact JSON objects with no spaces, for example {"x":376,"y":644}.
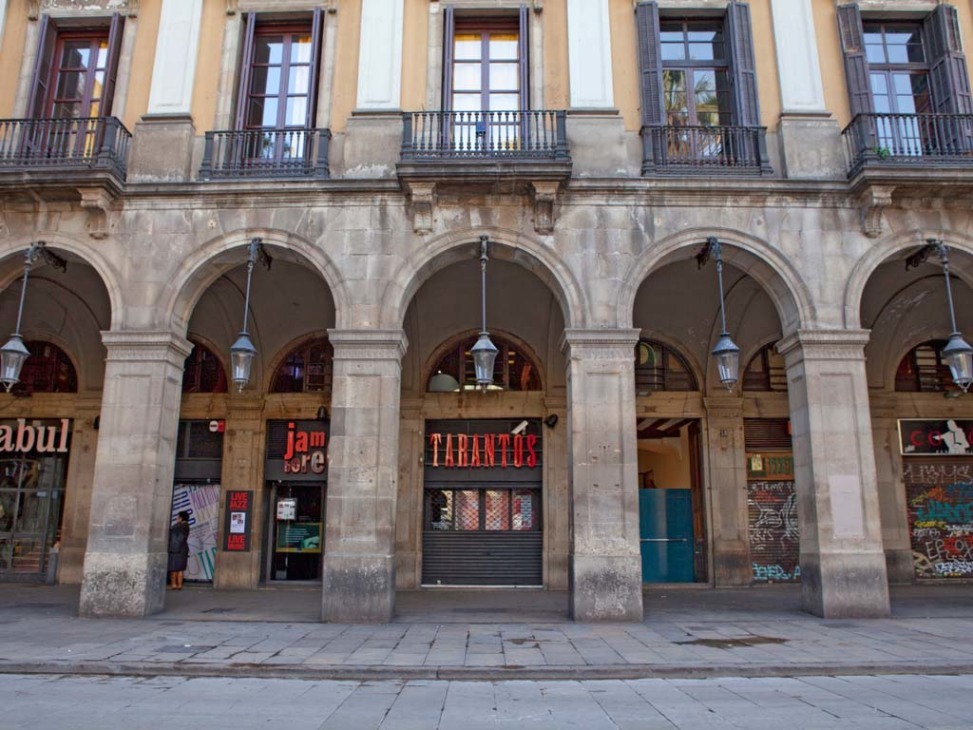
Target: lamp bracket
{"x":39,"y":248}
{"x":259,"y":253}
{"x":712,"y":248}
{"x":922,"y":254}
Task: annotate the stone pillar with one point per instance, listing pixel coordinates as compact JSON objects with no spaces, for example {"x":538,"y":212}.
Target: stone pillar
{"x":131,"y":501}
{"x":896,"y":536}
{"x":359,"y":543}
{"x":605,"y":563}
{"x":843,"y":570}
{"x":728,"y":485}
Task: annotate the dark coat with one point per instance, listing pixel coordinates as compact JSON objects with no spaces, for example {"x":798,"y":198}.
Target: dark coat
{"x":178,"y":546}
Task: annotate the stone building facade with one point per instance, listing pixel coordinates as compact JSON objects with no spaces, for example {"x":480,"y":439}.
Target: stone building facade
{"x":369,"y":147}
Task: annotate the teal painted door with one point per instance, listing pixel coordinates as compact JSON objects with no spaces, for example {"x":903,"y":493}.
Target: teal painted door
{"x":666,"y":531}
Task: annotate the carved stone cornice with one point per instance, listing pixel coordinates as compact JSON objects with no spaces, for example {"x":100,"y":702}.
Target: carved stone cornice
{"x":35,"y":8}
{"x":97,"y":202}
{"x":368,"y":344}
{"x":141,"y":346}
{"x":545,"y":197}
{"x":826,"y":344}
{"x":422,"y":197}
{"x":873,"y":201}
{"x":600,"y":344}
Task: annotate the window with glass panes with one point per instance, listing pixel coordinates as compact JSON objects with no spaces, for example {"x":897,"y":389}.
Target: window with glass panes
{"x":898,"y":73}
{"x":923,"y":370}
{"x":658,"y":367}
{"x":512,"y":370}
{"x":695,"y":82}
{"x":79,"y":76}
{"x":280,"y":78}
{"x":308,"y":368}
{"x":766,"y":371}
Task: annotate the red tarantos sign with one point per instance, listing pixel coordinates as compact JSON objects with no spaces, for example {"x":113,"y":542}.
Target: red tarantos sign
{"x":483,"y":450}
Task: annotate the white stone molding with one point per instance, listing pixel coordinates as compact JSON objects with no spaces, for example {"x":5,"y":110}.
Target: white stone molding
{"x":176,"y":51}
{"x":380,"y":55}
{"x":3,"y":19}
{"x":367,"y":344}
{"x":798,"y":65}
{"x":589,"y":54}
{"x":125,"y":346}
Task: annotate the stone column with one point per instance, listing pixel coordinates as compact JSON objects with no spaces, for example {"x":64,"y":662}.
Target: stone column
{"x":896,"y":536}
{"x":728,"y":486}
{"x":131,"y":501}
{"x":843,"y":570}
{"x":359,"y":543}
{"x":605,"y":563}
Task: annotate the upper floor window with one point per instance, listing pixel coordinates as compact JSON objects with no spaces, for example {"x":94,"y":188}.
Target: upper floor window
{"x":203,"y":372}
{"x":47,"y":370}
{"x":898,"y":73}
{"x":923,"y":370}
{"x":513,"y":369}
{"x":694,"y":77}
{"x":659,"y":367}
{"x":308,"y":368}
{"x":75,"y":70}
{"x":766,"y":371}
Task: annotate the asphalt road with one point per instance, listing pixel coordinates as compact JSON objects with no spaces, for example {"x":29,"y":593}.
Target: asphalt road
{"x":180,"y":703}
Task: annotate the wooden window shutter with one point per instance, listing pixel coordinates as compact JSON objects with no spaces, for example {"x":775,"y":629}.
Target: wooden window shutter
{"x":650,"y":64}
{"x":449,"y":31}
{"x":743,"y":72}
{"x":856,"y":62}
{"x":947,"y":64}
{"x":111,"y":64}
{"x":524,"y":57}
{"x":317,"y":23}
{"x":41,"y":77}
{"x":246,"y":61}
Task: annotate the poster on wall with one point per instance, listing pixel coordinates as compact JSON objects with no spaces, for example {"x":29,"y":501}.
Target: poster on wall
{"x":202,"y":502}
{"x":773,"y":530}
{"x":939,"y":500}
{"x":238,"y":521}
{"x":936,"y":436}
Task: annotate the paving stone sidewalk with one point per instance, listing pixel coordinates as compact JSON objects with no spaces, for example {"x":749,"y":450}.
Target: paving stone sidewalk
{"x":685,"y":634}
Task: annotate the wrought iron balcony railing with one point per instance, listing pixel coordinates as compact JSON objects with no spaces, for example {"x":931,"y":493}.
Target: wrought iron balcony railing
{"x":266,"y":153}
{"x":520,"y":135}
{"x":92,"y":143}
{"x":909,"y":140}
{"x":704,"y":150}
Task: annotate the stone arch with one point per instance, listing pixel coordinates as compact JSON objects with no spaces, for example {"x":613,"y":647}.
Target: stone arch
{"x":507,"y":245}
{"x":428,"y":366}
{"x":281,"y":354}
{"x":769,"y":267}
{"x":197,"y":272}
{"x":663,"y":338}
{"x":891,"y":245}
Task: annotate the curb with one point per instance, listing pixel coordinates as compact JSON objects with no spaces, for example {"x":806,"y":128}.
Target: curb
{"x":471,"y":674}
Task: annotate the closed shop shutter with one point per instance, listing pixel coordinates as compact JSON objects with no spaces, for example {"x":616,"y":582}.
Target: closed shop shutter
{"x":939,"y":500}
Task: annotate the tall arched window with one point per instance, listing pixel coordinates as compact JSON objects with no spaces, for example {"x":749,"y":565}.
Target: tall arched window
{"x":766,"y":371}
{"x":47,"y":370}
{"x":923,"y":370}
{"x":308,"y":368}
{"x":658,"y":367}
{"x":513,"y":369}
{"x":204,"y":372}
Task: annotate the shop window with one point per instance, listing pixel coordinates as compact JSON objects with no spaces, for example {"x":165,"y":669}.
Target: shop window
{"x":308,"y":368}
{"x":658,"y":367}
{"x":47,"y":370}
{"x":198,"y":440}
{"x":483,"y":509}
{"x":204,"y":372}
{"x":513,"y":369}
{"x":899,"y":72}
{"x":923,"y":370}
{"x":766,"y":371}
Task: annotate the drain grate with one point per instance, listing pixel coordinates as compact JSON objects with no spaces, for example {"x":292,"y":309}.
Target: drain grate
{"x":734,"y":643}
{"x":218,"y":610}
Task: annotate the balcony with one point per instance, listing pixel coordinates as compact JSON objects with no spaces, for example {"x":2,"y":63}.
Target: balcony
{"x":280,"y":154}
{"x":482,"y":147}
{"x":908,"y":141}
{"x":54,"y":146}
{"x":697,"y":150}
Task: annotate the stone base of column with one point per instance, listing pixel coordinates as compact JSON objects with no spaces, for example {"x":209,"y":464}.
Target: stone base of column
{"x":731,"y":564}
{"x":123,"y":586}
{"x":606,"y":588}
{"x":845,"y":585}
{"x":900,"y":567}
{"x":358,"y":589}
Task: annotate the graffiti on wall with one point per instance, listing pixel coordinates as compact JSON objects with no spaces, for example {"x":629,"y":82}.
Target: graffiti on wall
{"x":774,"y":535}
{"x":940,"y":505}
{"x":202,"y":502}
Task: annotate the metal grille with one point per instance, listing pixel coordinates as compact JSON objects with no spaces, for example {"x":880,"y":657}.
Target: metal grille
{"x":766,"y":433}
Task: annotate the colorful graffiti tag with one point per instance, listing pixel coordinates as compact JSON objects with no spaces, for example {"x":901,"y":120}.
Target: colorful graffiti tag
{"x":774,"y":535}
{"x":203,"y":503}
{"x":940,"y":504}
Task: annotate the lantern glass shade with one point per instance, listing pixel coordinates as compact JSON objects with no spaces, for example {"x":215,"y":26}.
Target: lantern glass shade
{"x":443,"y":383}
{"x":727,"y":356}
{"x":959,"y":356}
{"x":12,"y":356}
{"x":484,"y":354}
{"x":241,"y":360}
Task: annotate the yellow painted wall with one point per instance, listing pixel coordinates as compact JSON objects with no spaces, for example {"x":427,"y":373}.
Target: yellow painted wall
{"x":555,"y":20}
{"x":768,"y":85}
{"x":415,"y":41}
{"x":143,"y":59}
{"x":625,"y":63}
{"x":346,"y":63}
{"x":11,"y":55}
{"x":208,"y":65}
{"x":832,"y":61}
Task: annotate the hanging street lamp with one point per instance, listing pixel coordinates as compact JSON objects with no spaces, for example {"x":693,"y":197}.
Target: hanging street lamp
{"x":242,"y":352}
{"x":484,"y":352}
{"x":726,"y":352}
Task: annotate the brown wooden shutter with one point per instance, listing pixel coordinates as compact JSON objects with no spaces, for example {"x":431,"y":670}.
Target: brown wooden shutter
{"x":856,"y":62}
{"x":111,"y":64}
{"x":246,"y":67}
{"x":449,"y":31}
{"x":947,"y":64}
{"x":650,"y":64}
{"x":41,"y":77}
{"x":743,"y":73}
{"x":317,"y":23}
{"x":524,"y":57}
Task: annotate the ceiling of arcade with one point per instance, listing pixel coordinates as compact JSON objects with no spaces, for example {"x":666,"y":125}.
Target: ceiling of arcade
{"x":518,"y":304}
{"x":69,"y":308}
